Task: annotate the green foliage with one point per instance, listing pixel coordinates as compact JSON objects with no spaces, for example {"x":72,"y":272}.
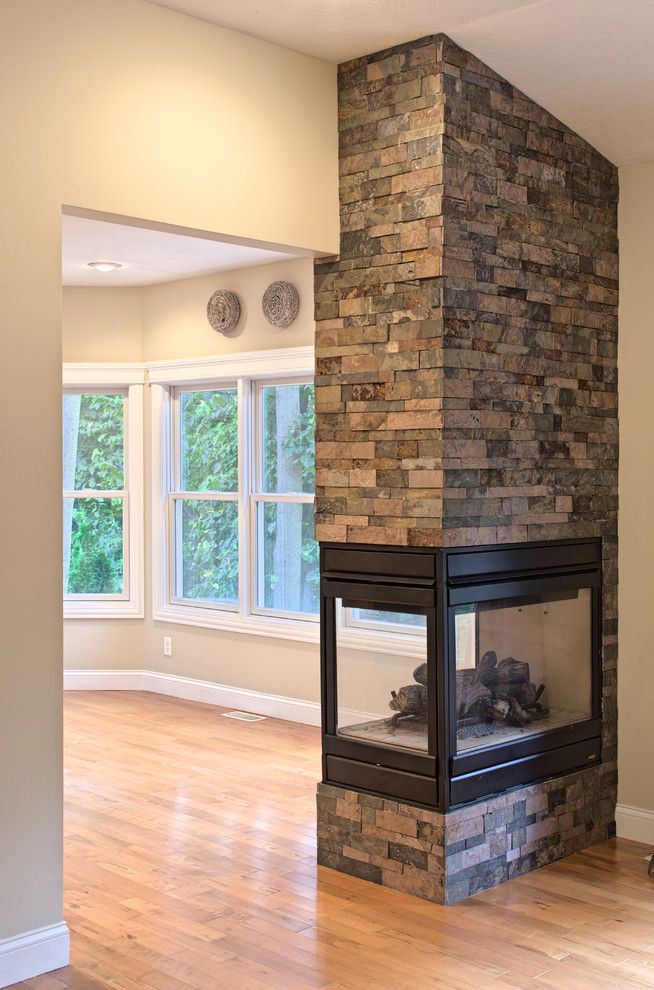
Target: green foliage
{"x":297,"y":445}
{"x":96,"y":558}
{"x":100,"y":443}
{"x":95,"y":524}
{"x":209,"y":536}
{"x":209,"y":531}
{"x":302,"y":594}
{"x":209,"y":430}
{"x":295,"y":459}
{"x":209,"y":462}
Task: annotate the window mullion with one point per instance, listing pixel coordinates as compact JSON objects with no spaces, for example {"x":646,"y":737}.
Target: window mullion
{"x":205,"y":496}
{"x":294,"y":498}
{"x":95,"y":493}
{"x":245,"y":445}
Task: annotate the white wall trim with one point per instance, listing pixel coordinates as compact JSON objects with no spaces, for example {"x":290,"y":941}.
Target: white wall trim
{"x":274,"y":705}
{"x":223,"y":695}
{"x":40,"y":951}
{"x":103,"y":680}
{"x":93,"y":374}
{"x":635,"y":823}
{"x":281,"y":361}
{"x":296,"y":630}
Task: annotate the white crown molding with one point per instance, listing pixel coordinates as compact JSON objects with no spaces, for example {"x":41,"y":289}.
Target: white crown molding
{"x":278,"y":361}
{"x":92,"y":374}
{"x":31,"y":954}
{"x":635,"y":823}
{"x":286,"y":361}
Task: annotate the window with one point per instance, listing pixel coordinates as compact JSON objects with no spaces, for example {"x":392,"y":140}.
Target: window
{"x":102,"y":505}
{"x":287,"y":564}
{"x":233,"y":495}
{"x":204,"y":497}
{"x":381,"y":631}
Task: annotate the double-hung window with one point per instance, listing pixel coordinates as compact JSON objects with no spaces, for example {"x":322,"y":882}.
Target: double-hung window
{"x":233,"y":493}
{"x":204,"y":497}
{"x":102,"y":500}
{"x":286,"y":565}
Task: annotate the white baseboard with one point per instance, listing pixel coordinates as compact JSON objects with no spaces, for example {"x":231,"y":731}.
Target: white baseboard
{"x":635,"y":823}
{"x":273,"y":705}
{"x":34,"y":953}
{"x":103,"y":680}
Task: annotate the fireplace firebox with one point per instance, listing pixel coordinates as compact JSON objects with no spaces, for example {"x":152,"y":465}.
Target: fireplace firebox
{"x":450,"y":675}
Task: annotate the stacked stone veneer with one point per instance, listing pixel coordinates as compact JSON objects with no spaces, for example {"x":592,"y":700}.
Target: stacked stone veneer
{"x":466,"y":336}
{"x":445,"y":858}
{"x":466,"y":381}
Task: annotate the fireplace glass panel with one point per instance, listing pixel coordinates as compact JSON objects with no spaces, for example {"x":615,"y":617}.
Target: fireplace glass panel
{"x":523,"y":666}
{"x":382,"y":691}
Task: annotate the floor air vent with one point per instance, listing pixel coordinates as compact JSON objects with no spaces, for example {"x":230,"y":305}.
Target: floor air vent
{"x":244,"y":716}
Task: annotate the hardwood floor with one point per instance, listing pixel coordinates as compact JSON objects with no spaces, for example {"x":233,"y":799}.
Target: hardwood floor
{"x":190,"y":864}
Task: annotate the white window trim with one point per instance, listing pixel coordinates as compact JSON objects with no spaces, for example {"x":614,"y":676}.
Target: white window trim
{"x":131,"y":378}
{"x":246,"y":369}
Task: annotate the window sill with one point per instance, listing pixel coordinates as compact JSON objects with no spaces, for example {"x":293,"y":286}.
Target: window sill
{"x":293,"y":629}
{"x":103,"y":610}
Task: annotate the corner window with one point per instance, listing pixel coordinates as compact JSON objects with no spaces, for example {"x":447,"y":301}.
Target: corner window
{"x":102,"y":532}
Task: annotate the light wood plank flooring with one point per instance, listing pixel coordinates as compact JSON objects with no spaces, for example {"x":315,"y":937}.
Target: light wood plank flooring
{"x":190,"y":864}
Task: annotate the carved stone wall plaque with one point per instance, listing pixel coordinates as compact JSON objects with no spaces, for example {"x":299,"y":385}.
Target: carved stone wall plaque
{"x":224,"y":311}
{"x":280,"y":304}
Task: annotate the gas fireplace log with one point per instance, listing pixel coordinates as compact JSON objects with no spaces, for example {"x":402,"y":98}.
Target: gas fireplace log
{"x":409,"y":701}
{"x":509,"y":671}
{"x":503,"y":709}
{"x":420,"y":674}
{"x":498,"y":693}
{"x":486,"y":666}
{"x":527,"y":695}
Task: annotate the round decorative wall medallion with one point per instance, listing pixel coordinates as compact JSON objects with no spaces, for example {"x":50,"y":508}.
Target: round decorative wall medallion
{"x":223,"y":311}
{"x":280,"y":304}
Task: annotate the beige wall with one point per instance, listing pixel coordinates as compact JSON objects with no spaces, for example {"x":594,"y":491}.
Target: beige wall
{"x":129,"y":108}
{"x":169,"y":321}
{"x":175,"y":321}
{"x":636,"y":361}
{"x":103,"y":644}
{"x":102,"y":324}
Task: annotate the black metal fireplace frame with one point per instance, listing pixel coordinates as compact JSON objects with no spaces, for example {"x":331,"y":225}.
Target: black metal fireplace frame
{"x":434,"y":581}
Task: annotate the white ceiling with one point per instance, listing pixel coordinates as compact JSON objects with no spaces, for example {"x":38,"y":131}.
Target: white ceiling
{"x":146,"y":255}
{"x":589,"y":62}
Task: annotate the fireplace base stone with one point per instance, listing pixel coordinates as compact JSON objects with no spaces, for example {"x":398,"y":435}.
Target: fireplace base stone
{"x":445,"y":858}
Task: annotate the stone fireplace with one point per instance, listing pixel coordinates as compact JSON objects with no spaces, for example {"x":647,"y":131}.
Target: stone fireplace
{"x":466,"y":455}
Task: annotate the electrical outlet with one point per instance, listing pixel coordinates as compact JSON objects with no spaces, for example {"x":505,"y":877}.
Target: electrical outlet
{"x":168,"y":646}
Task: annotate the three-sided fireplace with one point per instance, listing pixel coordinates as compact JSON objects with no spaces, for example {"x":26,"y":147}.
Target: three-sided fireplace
{"x":476,"y":669}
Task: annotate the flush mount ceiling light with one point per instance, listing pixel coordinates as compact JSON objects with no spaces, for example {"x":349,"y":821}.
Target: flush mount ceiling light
{"x":104,"y":266}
